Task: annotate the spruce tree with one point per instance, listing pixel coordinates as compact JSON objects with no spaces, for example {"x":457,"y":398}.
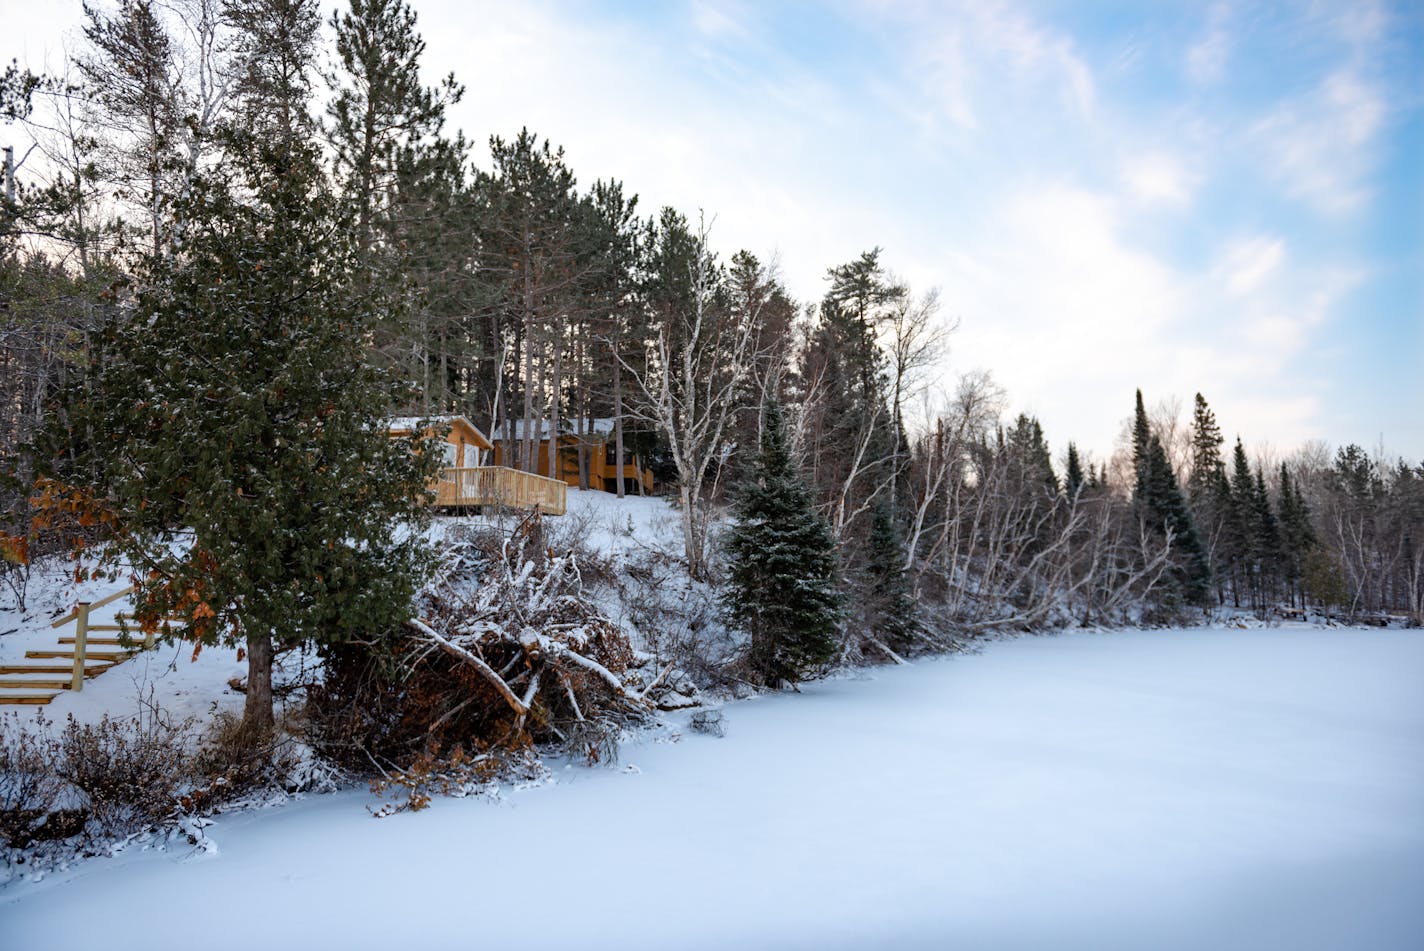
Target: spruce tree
{"x":1141,"y":432}
{"x":1238,"y":531}
{"x":781,"y":584}
{"x":1297,"y":535}
{"x":890,"y":611}
{"x":1073,"y":478}
{"x":1266,"y":541}
{"x":1165,"y":509}
{"x":1158,"y":500}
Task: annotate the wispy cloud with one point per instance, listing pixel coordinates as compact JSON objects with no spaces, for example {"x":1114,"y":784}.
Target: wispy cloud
{"x":1321,"y":147}
{"x":1249,"y":263}
{"x":1206,"y":58}
{"x":969,"y":58}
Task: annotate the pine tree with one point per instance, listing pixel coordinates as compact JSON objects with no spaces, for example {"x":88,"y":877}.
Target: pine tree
{"x":781,"y":585}
{"x":890,"y":611}
{"x":381,"y":111}
{"x":1207,"y":464}
{"x":852,"y":432}
{"x":1209,"y":489}
{"x":130,"y":70}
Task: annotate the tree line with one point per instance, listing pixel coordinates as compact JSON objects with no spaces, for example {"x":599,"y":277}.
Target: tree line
{"x":221,"y":265}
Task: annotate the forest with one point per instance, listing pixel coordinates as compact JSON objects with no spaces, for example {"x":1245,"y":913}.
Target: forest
{"x":222,"y":263}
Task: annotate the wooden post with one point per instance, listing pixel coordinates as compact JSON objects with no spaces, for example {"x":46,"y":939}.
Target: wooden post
{"x":81,"y":643}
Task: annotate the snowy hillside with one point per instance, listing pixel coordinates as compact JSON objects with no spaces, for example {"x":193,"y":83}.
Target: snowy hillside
{"x":185,"y":684}
{"x":1185,"y":789}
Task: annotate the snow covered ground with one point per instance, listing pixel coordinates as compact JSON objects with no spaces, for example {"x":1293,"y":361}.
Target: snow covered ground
{"x":1205,"y":788}
{"x":184,"y":686}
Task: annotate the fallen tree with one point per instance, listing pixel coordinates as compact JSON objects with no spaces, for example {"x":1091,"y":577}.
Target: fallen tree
{"x":509,"y":653}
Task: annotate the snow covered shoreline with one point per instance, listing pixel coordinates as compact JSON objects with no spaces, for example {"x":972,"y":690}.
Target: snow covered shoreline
{"x":1200,"y":788}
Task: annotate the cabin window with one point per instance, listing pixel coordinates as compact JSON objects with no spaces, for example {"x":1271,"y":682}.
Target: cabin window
{"x":451,"y":460}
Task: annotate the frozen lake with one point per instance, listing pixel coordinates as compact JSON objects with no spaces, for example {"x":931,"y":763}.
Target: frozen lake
{"x":1204,"y":788}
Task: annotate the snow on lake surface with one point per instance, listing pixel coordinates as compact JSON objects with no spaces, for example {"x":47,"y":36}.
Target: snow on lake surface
{"x":1206,"y":789}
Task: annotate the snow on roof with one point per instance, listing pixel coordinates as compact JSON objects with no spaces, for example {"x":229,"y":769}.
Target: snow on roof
{"x":405,"y":424}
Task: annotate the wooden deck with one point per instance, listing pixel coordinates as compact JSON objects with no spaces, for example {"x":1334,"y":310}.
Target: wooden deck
{"x":498,"y":485}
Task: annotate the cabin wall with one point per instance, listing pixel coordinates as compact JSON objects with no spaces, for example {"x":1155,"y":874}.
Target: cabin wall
{"x":602,"y":474}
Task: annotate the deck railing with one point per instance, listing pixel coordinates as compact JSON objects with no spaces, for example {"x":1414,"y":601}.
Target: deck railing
{"x":498,"y":485}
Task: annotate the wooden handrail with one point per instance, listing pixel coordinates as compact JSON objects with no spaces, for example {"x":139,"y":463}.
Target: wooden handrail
{"x":107,"y":599}
{"x":500,"y":485}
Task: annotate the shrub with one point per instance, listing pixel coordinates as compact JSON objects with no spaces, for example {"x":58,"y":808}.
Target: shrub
{"x":132,"y":771}
{"x":29,"y":787}
{"x":708,"y":722}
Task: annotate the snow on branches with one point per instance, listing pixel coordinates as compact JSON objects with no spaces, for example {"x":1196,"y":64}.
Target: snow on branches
{"x":535,"y":644}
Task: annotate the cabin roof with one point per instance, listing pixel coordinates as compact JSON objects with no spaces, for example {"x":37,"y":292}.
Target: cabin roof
{"x":407,"y":424}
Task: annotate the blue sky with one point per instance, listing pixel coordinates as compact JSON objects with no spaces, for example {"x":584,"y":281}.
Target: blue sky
{"x":1223,"y":197}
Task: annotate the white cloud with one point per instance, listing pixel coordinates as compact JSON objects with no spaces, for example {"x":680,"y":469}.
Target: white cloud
{"x":967,"y":58}
{"x":1159,"y":177}
{"x":1249,"y":263}
{"x":1206,"y":58}
{"x":721,"y":21}
{"x":1068,"y":314}
{"x":1321,"y":148}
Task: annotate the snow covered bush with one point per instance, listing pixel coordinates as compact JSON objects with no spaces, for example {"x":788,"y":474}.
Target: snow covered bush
{"x":29,"y":787}
{"x":510,"y":652}
{"x":131,"y":771}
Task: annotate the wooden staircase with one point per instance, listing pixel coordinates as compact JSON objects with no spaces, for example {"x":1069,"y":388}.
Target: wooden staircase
{"x":48,"y":672}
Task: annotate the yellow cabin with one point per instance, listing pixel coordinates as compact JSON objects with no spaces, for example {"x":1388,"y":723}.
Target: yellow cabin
{"x":598,"y":444}
{"x":465,"y":482}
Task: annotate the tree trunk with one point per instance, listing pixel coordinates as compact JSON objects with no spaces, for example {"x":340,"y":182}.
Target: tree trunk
{"x":618,"y":427}
{"x":257,"y":720}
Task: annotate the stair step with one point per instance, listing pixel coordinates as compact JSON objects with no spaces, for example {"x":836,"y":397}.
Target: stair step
{"x":37,"y":699}
{"x":35,"y":685}
{"x":52,"y":669}
{"x":91,"y":655}
{"x":106,"y":641}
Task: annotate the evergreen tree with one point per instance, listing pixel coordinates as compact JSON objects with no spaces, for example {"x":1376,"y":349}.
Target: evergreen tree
{"x":1238,"y":532}
{"x":1030,"y":462}
{"x":1158,"y":500}
{"x":237,"y":419}
{"x":1209,"y":489}
{"x":1166,"y":509}
{"x":1207,"y":465}
{"x":275,"y":50}
{"x":851,"y":429}
{"x":1141,"y":432}
{"x":1297,"y":535}
{"x":130,"y":72}
{"x":381,"y":112}
{"x":890,"y":610}
{"x":1267,"y":542}
{"x":781,"y":585}
{"x":1073,"y":479}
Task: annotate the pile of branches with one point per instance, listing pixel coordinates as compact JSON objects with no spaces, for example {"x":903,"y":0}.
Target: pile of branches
{"x":509,"y":653}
